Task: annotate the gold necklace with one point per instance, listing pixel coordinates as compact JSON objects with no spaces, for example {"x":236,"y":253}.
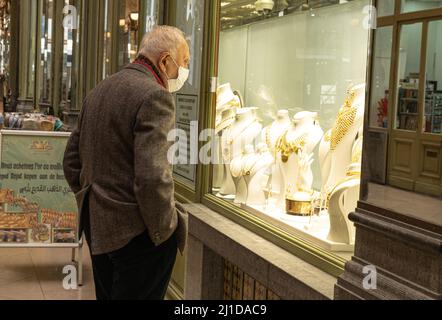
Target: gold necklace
{"x":328,"y":135}
{"x":288,"y":148}
{"x":268,"y":141}
{"x":345,"y":120}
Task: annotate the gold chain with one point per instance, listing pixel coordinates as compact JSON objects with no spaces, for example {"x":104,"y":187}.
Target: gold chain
{"x":345,"y":120}
{"x":288,"y":148}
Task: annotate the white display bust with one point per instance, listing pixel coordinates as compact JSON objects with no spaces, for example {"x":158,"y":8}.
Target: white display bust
{"x":227,"y":119}
{"x":256,"y":176}
{"x":305,"y":132}
{"x":270,"y":136}
{"x":243,"y":132}
{"x":237,"y":168}
{"x":349,"y":122}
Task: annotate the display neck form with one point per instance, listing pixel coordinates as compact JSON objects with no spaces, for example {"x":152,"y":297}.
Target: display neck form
{"x":305,"y":123}
{"x":244,"y":117}
{"x":283,"y":118}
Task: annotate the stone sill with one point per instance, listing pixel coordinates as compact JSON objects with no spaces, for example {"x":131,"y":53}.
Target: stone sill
{"x":280,"y":271}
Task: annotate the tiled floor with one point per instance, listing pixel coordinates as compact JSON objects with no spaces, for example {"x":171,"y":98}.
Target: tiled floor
{"x":37,"y":274}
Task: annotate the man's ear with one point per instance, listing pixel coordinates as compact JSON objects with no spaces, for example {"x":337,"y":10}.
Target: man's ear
{"x":162,"y":62}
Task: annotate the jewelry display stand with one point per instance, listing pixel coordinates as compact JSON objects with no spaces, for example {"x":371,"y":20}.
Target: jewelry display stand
{"x":275,"y":182}
{"x":349,"y":122}
{"x":304,"y":135}
{"x":243,"y":132}
{"x":256,"y":176}
{"x":270,"y":135}
{"x":237,"y":170}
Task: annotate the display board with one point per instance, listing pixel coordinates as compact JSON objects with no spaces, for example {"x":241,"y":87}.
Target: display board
{"x":37,"y":207}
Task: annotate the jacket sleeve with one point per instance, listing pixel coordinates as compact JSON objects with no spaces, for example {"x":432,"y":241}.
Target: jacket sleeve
{"x":71,"y":162}
{"x":154,"y":186}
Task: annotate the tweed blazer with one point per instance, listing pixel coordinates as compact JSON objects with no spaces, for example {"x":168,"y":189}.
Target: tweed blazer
{"x":116,"y":162}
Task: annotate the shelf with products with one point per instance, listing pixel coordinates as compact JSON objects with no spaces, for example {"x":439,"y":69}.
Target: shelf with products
{"x":408,"y":105}
{"x":433,"y":112}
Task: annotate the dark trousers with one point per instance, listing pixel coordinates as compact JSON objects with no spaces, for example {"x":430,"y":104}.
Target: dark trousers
{"x":139,"y":271}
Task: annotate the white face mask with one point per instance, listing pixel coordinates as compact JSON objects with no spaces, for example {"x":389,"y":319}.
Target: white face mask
{"x":176,"y":84}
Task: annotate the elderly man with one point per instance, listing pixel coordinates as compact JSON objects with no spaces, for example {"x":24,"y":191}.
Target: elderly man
{"x":116,"y":164}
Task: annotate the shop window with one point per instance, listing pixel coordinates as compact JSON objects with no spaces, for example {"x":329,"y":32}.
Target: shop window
{"x":289,"y":114}
{"x":433,"y":94}
{"x":128,"y":22}
{"x":419,"y":5}
{"x":407,"y":94}
{"x":380,"y":82}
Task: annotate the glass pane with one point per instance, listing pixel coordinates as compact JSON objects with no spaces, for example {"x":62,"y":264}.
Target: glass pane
{"x":407,"y":104}
{"x":419,"y":5}
{"x":152,"y":14}
{"x":5,"y":42}
{"x":385,"y":7}
{"x":433,"y":96}
{"x":31,"y":13}
{"x":380,"y":83}
{"x":289,"y":115}
{"x":70,"y":39}
{"x":47,"y":43}
{"x":128,"y":31}
{"x":107,"y":41}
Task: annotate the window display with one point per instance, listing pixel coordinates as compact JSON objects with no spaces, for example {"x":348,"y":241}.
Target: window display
{"x":290,"y":113}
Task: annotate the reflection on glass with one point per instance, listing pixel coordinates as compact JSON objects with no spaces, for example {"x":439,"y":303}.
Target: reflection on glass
{"x":5,"y":42}
{"x":385,"y":7}
{"x":380,"y":83}
{"x":433,"y":96}
{"x":419,"y":5}
{"x":407,"y":104}
{"x":107,"y":41}
{"x":152,"y":17}
{"x":31,"y":5}
{"x":69,"y":38}
{"x":128,"y":31}
{"x":46,"y":52}
{"x":289,"y":115}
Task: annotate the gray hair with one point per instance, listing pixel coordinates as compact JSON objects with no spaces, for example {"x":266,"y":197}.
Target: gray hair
{"x":160,"y":40}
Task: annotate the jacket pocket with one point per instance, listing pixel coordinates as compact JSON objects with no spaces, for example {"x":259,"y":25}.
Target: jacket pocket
{"x":117,"y":203}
